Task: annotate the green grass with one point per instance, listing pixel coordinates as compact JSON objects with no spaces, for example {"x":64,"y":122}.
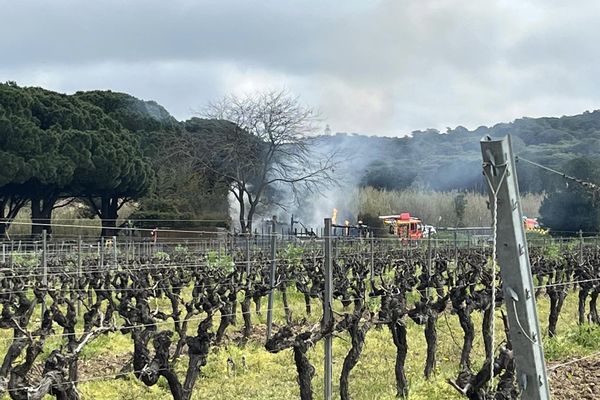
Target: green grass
{"x":273,"y":376}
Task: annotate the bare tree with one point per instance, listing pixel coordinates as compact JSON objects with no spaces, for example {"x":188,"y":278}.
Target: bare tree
{"x":265,"y":146}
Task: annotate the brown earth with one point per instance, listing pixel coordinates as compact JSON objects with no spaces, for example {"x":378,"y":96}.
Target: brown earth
{"x":578,"y":380}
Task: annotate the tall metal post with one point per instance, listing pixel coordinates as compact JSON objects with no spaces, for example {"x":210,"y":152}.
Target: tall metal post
{"x":272,"y":280}
{"x":372,"y":258}
{"x":429,"y":266}
{"x":248,"y":261}
{"x":115,"y":258}
{"x":44,"y":267}
{"x":580,"y":247}
{"x":10,"y":260}
{"x":513,"y":258}
{"x":78,"y":287}
{"x":327,"y":313}
{"x":455,"y":251}
{"x":101,"y":252}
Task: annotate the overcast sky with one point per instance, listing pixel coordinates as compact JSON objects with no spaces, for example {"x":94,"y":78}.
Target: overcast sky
{"x":376,"y":67}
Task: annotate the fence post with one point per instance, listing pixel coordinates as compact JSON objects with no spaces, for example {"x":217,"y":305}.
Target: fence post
{"x":127,"y":246}
{"x":115,"y":258}
{"x":78,"y":287}
{"x":101,"y":252}
{"x":455,"y":250}
{"x":248,"y":261}
{"x":580,"y":247}
{"x":513,"y":258}
{"x":44,"y":268}
{"x":372,"y":258}
{"x":429,"y":266}
{"x":327,"y":314}
{"x":10,"y":260}
{"x":272,"y":280}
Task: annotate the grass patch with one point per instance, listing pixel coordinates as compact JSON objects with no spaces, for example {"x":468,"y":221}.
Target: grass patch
{"x":273,"y":376}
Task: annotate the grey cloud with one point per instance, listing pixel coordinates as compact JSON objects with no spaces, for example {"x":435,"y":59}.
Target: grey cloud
{"x":383,"y":67}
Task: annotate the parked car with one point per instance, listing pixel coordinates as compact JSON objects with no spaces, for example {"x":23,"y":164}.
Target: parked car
{"x":427,"y":229}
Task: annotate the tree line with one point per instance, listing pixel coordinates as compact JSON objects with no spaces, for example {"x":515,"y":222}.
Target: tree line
{"x":54,"y":147}
{"x":103,"y":149}
{"x":444,"y":161}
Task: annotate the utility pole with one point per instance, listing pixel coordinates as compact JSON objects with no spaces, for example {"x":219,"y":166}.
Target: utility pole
{"x":513,"y":258}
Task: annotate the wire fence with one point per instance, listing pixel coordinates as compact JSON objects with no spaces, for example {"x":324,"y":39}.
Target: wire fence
{"x":25,"y":260}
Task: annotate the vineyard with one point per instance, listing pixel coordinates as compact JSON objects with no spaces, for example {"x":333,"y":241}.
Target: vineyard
{"x":194,"y":320}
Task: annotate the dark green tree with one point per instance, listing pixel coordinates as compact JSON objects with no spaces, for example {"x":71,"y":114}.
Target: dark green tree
{"x":117,"y":172}
{"x":57,"y":146}
{"x":573,"y":207}
{"x":181,"y":195}
{"x":15,"y":133}
{"x":384,"y":176}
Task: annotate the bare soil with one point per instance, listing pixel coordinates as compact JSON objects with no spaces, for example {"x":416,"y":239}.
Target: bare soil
{"x":579,"y":380}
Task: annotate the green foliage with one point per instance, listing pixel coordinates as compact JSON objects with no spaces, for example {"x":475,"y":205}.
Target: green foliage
{"x":161,"y":256}
{"x":293,"y":254}
{"x":384,"y":176}
{"x":28,"y":259}
{"x":452,"y":160}
{"x":578,"y":340}
{"x":220,"y":261}
{"x":134,"y":114}
{"x":55,"y":145}
{"x":181,"y":252}
{"x":552,"y":251}
{"x":587,"y":336}
{"x":572,"y":208}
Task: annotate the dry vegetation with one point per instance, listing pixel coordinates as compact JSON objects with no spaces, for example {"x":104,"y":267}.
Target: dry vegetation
{"x":436,"y":208}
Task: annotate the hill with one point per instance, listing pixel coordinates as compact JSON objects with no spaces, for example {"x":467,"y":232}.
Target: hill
{"x":452,"y":160}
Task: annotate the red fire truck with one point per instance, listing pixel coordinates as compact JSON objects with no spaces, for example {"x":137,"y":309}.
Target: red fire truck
{"x":404,"y":225}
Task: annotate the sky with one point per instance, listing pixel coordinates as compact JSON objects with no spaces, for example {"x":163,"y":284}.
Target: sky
{"x":377,"y":67}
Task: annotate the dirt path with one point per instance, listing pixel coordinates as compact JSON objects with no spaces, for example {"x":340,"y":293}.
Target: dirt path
{"x":579,"y":380}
